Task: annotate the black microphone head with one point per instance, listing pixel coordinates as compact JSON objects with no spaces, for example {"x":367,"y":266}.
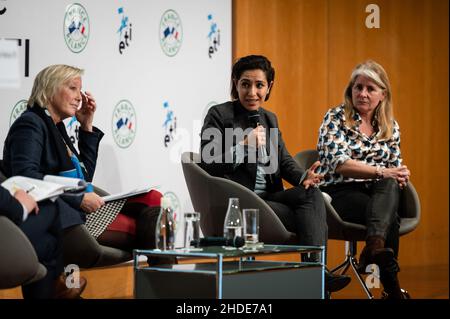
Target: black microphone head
{"x":253,"y":117}
{"x":219,"y":241}
{"x":238,"y":241}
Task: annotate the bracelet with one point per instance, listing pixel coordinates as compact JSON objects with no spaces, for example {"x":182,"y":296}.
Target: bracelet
{"x":379,"y":172}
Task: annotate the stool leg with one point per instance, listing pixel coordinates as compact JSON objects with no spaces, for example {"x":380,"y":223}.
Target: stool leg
{"x":350,"y":250}
{"x":354,"y":264}
{"x":344,"y":265}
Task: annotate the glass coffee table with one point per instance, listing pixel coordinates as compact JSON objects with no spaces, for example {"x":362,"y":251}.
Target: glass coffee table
{"x":228,"y":272}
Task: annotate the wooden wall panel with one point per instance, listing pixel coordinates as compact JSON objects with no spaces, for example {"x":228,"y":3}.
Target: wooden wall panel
{"x":314,"y":45}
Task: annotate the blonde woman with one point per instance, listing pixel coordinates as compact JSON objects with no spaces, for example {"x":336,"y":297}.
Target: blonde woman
{"x":359,"y":147}
{"x":37,"y":144}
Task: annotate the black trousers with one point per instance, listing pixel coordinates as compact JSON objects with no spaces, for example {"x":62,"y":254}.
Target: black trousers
{"x":44,"y":232}
{"x":302,"y":211}
{"x":373,"y":204}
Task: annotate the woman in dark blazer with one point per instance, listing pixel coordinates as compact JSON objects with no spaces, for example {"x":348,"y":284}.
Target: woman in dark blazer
{"x":37,"y":145}
{"x":241,"y":141}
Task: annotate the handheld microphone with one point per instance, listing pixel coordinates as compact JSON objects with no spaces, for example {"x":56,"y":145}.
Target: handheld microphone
{"x":218,"y":241}
{"x":254,"y":119}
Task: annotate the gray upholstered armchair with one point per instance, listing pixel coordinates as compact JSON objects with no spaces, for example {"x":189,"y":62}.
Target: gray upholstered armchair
{"x":19,"y":264}
{"x":209,"y":196}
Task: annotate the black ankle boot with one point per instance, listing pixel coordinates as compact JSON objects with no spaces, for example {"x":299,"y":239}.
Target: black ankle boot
{"x":395,"y":296}
{"x":335,"y":282}
{"x":374,"y":253}
{"x":391,"y":284}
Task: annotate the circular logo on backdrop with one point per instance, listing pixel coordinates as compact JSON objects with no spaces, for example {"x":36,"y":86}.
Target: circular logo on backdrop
{"x":76,"y":27}
{"x":170,"y":32}
{"x":17,"y":110}
{"x":124,"y":123}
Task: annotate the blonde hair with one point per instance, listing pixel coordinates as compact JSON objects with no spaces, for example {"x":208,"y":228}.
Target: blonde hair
{"x":384,"y":114}
{"x":49,"y":80}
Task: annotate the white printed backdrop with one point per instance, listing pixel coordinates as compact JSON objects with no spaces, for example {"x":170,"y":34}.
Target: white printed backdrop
{"x":153,"y":67}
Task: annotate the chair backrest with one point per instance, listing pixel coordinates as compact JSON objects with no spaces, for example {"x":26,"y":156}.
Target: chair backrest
{"x":210,"y":194}
{"x":82,"y":249}
{"x":409,"y":208}
{"x":19,"y":264}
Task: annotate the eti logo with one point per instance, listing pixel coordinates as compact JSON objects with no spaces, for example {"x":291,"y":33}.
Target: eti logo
{"x":76,"y":27}
{"x":213,"y":36}
{"x":124,"y":31}
{"x":170,"y":33}
{"x":124,"y":123}
{"x":170,"y":125}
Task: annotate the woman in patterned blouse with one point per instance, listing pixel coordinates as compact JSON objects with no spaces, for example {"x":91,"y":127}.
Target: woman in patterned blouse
{"x":359,"y":147}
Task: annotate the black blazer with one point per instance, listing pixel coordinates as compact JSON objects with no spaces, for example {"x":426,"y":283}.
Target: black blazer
{"x":28,"y":152}
{"x":10,"y":207}
{"x":233,"y":115}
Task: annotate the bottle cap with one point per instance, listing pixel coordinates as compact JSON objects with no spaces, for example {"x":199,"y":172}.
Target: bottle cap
{"x":165,"y":202}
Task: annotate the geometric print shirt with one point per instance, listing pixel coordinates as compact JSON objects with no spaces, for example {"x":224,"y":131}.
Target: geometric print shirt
{"x":338,"y":143}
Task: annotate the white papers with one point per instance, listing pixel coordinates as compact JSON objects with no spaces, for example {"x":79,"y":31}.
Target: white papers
{"x":38,"y":189}
{"x":128,"y":194}
{"x":70,"y":182}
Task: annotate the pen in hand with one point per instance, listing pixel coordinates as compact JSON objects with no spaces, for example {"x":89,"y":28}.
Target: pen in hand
{"x":30,"y":189}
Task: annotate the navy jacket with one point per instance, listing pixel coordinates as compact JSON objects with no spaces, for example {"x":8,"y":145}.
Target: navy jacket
{"x":28,"y":152}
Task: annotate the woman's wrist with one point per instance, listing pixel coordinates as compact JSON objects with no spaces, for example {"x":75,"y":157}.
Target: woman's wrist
{"x":379,"y":172}
{"x":86,"y":127}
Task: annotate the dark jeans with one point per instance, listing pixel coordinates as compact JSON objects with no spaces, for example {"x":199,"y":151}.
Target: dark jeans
{"x":44,"y":232}
{"x":373,"y":204}
{"x":302,"y":211}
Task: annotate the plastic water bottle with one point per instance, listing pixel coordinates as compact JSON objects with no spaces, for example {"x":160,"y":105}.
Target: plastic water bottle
{"x":232,"y":225}
{"x":165,"y":226}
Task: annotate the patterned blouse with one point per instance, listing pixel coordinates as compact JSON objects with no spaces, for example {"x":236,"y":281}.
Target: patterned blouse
{"x":338,"y":143}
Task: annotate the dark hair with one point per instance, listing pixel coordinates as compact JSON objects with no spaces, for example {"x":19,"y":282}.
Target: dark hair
{"x":251,"y":62}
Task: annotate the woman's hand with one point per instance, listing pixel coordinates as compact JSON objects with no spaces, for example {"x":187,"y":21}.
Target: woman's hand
{"x":85,"y":115}
{"x":312,"y":178}
{"x":27,"y":201}
{"x":401,"y":174}
{"x":257,"y":137}
{"x":91,"y":202}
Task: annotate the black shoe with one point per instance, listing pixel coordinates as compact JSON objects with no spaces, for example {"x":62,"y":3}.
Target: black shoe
{"x":161,"y":260}
{"x":380,"y":257}
{"x":334,"y":282}
{"x":402,"y":294}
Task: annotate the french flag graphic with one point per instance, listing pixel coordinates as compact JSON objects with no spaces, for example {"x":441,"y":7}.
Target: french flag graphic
{"x":72,"y":27}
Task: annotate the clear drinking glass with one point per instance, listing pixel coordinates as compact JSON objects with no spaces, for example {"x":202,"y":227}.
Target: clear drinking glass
{"x":251,"y":226}
{"x":191,"y":228}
